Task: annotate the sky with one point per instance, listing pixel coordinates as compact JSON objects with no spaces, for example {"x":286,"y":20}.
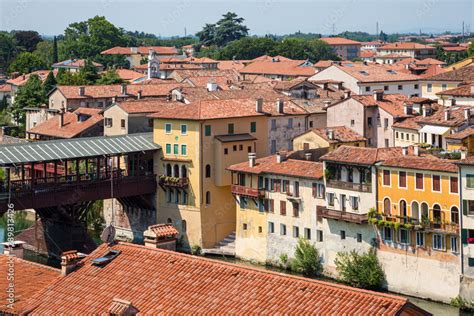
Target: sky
{"x":170,"y":18}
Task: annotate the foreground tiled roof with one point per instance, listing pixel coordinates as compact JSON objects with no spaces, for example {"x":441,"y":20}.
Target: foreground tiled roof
{"x":284,"y":68}
{"x":72,"y":127}
{"x":421,"y":163}
{"x":342,"y":134}
{"x":144,"y":106}
{"x":361,"y":155}
{"x":29,"y":279}
{"x":288,"y":167}
{"x":456,"y":116}
{"x":163,"y":230}
{"x":230,"y":64}
{"x":462,"y":91}
{"x":157,"y":281}
{"x":376,"y":72}
{"x":465,"y":74}
{"x":160,"y":50}
{"x":469,"y":131}
{"x":218,"y":109}
{"x":110,"y":91}
{"x":339,"y":41}
{"x":390,"y":103}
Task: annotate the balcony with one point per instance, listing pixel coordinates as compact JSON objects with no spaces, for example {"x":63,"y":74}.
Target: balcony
{"x":247,"y":191}
{"x":424,"y":224}
{"x":342,"y":216}
{"x":174,"y":182}
{"x":360,"y":187}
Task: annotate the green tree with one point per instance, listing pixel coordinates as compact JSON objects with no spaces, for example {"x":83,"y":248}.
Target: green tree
{"x":248,"y":48}
{"x":360,"y":270}
{"x":44,"y":51}
{"x":229,"y":28}
{"x":8,"y":50}
{"x":207,"y":34}
{"x":110,"y":77}
{"x":89,"y":72}
{"x":27,"y":40}
{"x":307,"y":259}
{"x":25,"y":63}
{"x":67,"y":78}
{"x":383,"y":36}
{"x":31,"y":94}
{"x":49,"y":83}
{"x":470,"y":51}
{"x":55,"y":50}
{"x":314,"y":50}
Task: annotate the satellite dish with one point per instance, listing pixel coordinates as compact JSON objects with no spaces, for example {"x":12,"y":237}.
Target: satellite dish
{"x":108,"y":234}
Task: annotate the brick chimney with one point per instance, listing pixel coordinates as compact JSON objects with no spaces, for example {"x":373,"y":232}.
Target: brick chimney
{"x":69,"y":260}
{"x":13,"y":248}
{"x":252,"y":159}
{"x":211,"y":85}
{"x":61,"y":117}
{"x":447,"y":115}
{"x":416,"y":150}
{"x":405,"y":151}
{"x":424,"y":110}
{"x":281,"y":156}
{"x":330,"y":134}
{"x":308,"y":156}
{"x":259,"y":105}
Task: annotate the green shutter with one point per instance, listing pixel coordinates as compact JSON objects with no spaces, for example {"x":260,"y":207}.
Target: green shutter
{"x":470,"y":262}
{"x":464,"y":207}
{"x":464,"y":233}
{"x":207,"y":130}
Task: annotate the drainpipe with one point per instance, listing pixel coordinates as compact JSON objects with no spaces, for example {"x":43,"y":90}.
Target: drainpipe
{"x":461,"y":206}
{"x":201,"y":179}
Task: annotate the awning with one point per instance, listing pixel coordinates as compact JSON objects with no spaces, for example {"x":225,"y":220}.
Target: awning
{"x":433,"y":129}
{"x":229,"y":138}
{"x":60,"y":149}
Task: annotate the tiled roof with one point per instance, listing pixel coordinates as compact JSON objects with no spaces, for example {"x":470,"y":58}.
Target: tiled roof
{"x":288,"y":84}
{"x":421,"y":163}
{"x":465,"y":74}
{"x":371,"y":72}
{"x":455,"y":49}
{"x":430,"y":61}
{"x":200,"y":93}
{"x":469,"y":131}
{"x":456,"y":116}
{"x":367,"y":54}
{"x":160,"y":50}
{"x":288,"y":167}
{"x":390,"y":103}
{"x":72,"y":127}
{"x":5,"y":87}
{"x":110,"y":91}
{"x":22,"y":79}
{"x":342,"y":134}
{"x":171,"y":66}
{"x":407,"y":61}
{"x":74,"y":63}
{"x":157,"y":281}
{"x":144,"y":106}
{"x":230,"y":64}
{"x":29,"y":279}
{"x":270,"y":58}
{"x":181,"y":74}
{"x":405,"y":46}
{"x":462,"y":91}
{"x":129,"y":75}
{"x":409,"y":123}
{"x":339,"y":41}
{"x":230,"y":138}
{"x":361,"y":155}
{"x":163,"y":230}
{"x":200,"y":81}
{"x":284,"y":68}
{"x":218,"y":109}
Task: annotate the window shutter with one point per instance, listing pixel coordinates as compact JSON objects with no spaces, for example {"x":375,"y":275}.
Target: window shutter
{"x":464,"y":207}
{"x":315,"y":188}
{"x":464,"y":236}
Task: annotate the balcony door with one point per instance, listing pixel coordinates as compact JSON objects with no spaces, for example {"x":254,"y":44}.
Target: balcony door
{"x":343,"y":202}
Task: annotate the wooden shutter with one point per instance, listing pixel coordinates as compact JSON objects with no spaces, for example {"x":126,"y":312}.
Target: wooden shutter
{"x":283,"y":207}
{"x":436,"y":184}
{"x":315,"y":190}
{"x":386,"y":177}
{"x":419,"y":181}
{"x":454,"y":184}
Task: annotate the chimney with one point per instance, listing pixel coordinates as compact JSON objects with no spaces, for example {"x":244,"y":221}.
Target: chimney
{"x":424,"y":109}
{"x":133,"y":50}
{"x":279,"y":105}
{"x":330,"y":134}
{"x":447,"y":115}
{"x":281,"y":156}
{"x":139,"y":94}
{"x":211,"y":85}
{"x":405,"y":151}
{"x":307,"y":156}
{"x":327,"y":103}
{"x":69,"y":260}
{"x":340,"y":86}
{"x":347,"y":94}
{"x":114,"y":99}
{"x":61,"y":117}
{"x":82,"y":91}
{"x":123,"y":89}
{"x":453,"y":102}
{"x":378,"y":95}
{"x":467,"y":113}
{"x":14,"y":248}
{"x":365,"y":62}
{"x":252,"y":158}
{"x":416,"y":150}
{"x":259,"y":105}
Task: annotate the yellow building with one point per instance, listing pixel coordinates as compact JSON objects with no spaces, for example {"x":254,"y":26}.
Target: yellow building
{"x":200,"y":140}
{"x":461,"y":141}
{"x":444,"y":81}
{"x":330,"y":138}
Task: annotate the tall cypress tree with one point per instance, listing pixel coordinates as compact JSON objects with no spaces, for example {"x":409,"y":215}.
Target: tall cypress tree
{"x":55,"y":50}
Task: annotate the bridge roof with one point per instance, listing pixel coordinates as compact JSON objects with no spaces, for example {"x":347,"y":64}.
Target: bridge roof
{"x":60,"y":149}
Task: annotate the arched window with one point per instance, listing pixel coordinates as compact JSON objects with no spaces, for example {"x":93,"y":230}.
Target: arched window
{"x":208,"y":171}
{"x":175,"y":171}
{"x":168,"y":170}
{"x":184,"y":226}
{"x":169,"y":221}
{"x":184,"y":171}
{"x":454,"y":215}
{"x":208,"y":197}
{"x":424,"y":210}
{"x":415,"y":210}
{"x":437,"y":216}
{"x":386,"y":206}
{"x":403,"y":208}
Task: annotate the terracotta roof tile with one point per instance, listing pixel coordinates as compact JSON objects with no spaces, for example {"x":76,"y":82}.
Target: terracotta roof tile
{"x":144,"y":106}
{"x":465,"y":133}
{"x":74,"y":63}
{"x":462,"y":91}
{"x":157,"y":281}
{"x":164,"y":230}
{"x":372,"y":72}
{"x":22,"y":79}
{"x":391,"y":103}
{"x":465,"y":74}
{"x":405,"y":46}
{"x":129,"y":75}
{"x":110,"y":91}
{"x":421,"y":163}
{"x":456,"y":116}
{"x":5,"y":87}
{"x":342,"y":134}
{"x":284,"y":68}
{"x":160,"y":50}
{"x":339,"y":41}
{"x":361,"y":155}
{"x":230,"y":64}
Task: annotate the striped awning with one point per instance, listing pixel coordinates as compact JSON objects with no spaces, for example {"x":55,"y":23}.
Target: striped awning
{"x":60,"y":149}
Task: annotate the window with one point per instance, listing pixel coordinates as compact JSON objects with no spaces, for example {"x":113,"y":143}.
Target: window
{"x":453,"y":184}
{"x":290,"y":123}
{"x":184,"y":226}
{"x":230,"y":128}
{"x":400,"y":87}
{"x":343,"y":234}
{"x":273,"y":146}
{"x":359,"y":237}
{"x":416,"y":86}
{"x":420,"y":239}
{"x":330,"y":197}
{"x":184,"y":129}
{"x":438,"y":242}
{"x":319,"y":235}
{"x":270,"y":205}
{"x":184,"y":150}
{"x":274,"y":124}
{"x":454,"y":215}
{"x":176,"y":149}
{"x":168,"y":149}
{"x":282,"y":229}
{"x":470,"y":181}
{"x":402,"y":179}
{"x":208,"y":197}
{"x":297,"y":189}
{"x":352,"y":122}
{"x":430,"y":87}
{"x":387,"y":142}
{"x":296,"y":209}
{"x":243,"y":203}
{"x":385,"y":122}
{"x":271,"y":227}
{"x":244,"y":226}
{"x":282,"y":207}
{"x":249,"y":149}
{"x":234,"y":148}
{"x":108,"y":122}
{"x":386,"y":206}
{"x":387,"y":234}
{"x":122,"y":123}
{"x":444,"y":86}
{"x":468,"y":207}
{"x":207,"y":130}
{"x":260,"y":229}
{"x":386,"y":178}
{"x":226,"y":151}
{"x":454,"y":244}
{"x":419,"y":181}
{"x":168,"y":128}
{"x":169,"y":221}
{"x":354,"y":202}
{"x":150,"y":123}
{"x":307,"y":233}
{"x":185,"y":198}
{"x":367,"y":89}
{"x":385,"y":88}
{"x":253,"y":127}
{"x":436,"y":183}
{"x":369,"y":121}
{"x":296,"y":232}
{"x":404,"y":236}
